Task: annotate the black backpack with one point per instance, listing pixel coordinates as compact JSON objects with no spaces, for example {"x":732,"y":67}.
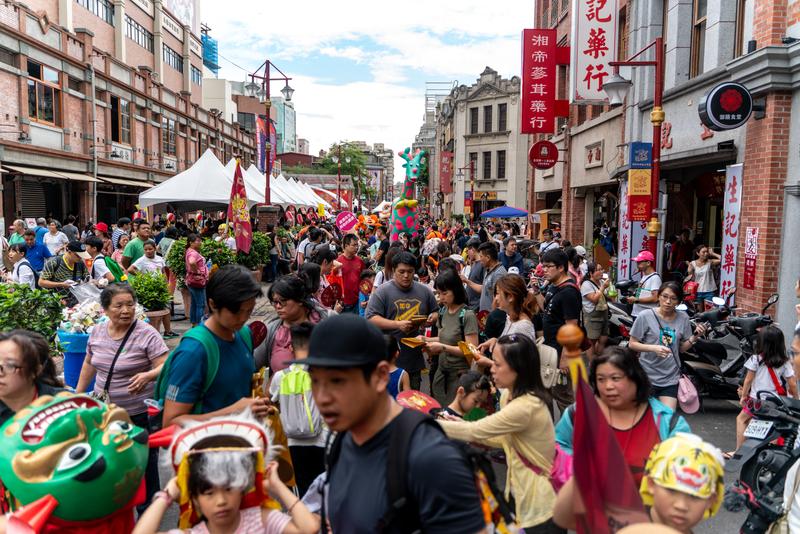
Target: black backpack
{"x":402,"y":516}
{"x":26,"y":263}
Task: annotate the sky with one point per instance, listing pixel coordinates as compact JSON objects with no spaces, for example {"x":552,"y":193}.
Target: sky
{"x":359,"y":67}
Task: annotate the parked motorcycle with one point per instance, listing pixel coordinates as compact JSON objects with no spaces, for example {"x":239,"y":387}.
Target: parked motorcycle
{"x":716,"y":362}
{"x":761,"y":464}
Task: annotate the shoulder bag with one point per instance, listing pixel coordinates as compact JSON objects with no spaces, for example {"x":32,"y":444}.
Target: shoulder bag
{"x":103,"y":395}
{"x":687,"y":392}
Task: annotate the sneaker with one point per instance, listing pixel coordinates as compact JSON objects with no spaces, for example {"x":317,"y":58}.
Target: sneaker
{"x":170,"y":335}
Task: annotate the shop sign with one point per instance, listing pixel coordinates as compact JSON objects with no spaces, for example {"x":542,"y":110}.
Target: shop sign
{"x":639,"y":182}
{"x":750,"y":257}
{"x":730,"y":229}
{"x":593,"y":155}
{"x":467,"y":202}
{"x":632,"y":238}
{"x":543,"y":155}
{"x":726,"y":106}
{"x":446,"y":172}
{"x":594,"y":45}
{"x":540,"y":55}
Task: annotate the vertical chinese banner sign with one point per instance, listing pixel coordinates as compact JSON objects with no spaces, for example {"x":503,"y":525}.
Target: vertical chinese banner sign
{"x":632,"y":238}
{"x":446,"y":172}
{"x":750,"y":257}
{"x":639,"y":182}
{"x":540,"y":55}
{"x":730,"y":234}
{"x":262,"y":137}
{"x":594,"y":44}
{"x":273,"y":141}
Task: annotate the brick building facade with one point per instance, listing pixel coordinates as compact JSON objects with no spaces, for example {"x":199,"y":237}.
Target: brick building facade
{"x":101,"y":99}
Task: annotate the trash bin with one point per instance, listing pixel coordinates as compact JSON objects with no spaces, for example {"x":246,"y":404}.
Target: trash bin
{"x":74,"y":353}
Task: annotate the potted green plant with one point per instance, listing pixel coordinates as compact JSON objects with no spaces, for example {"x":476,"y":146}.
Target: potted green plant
{"x":176,"y":261}
{"x":217,"y":252}
{"x":38,"y":310}
{"x":152,"y":292}
{"x":258,"y":255}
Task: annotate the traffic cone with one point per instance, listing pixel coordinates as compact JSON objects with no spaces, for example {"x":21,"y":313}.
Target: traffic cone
{"x":32,"y":518}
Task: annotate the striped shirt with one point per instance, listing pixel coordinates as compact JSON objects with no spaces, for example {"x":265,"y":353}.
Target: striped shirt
{"x":143,"y":347}
{"x":115,"y":235}
{"x":57,"y":270}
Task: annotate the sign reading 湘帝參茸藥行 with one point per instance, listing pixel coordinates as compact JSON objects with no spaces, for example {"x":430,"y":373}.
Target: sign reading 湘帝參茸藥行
{"x":540,"y":55}
{"x":594,"y":45}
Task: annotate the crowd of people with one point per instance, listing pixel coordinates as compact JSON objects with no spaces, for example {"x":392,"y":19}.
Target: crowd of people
{"x":462,"y":311}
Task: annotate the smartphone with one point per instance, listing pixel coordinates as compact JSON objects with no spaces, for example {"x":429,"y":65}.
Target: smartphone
{"x":605,"y":276}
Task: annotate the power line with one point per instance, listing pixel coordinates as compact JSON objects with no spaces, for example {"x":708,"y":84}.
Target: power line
{"x":234,"y":64}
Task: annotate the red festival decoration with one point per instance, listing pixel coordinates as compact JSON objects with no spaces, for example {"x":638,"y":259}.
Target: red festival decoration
{"x":540,"y":55}
{"x":239,"y":214}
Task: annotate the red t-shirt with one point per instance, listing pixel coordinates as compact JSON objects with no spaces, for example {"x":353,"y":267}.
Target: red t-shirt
{"x":351,"y":276}
{"x":637,"y":442}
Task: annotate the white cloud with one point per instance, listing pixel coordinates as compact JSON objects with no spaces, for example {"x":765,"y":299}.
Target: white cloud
{"x":392,"y":42}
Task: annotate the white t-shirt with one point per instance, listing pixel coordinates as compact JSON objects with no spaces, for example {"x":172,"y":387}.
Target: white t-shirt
{"x":149,"y":265}
{"x":23,"y":274}
{"x":99,"y":267}
{"x":763,"y":380}
{"x":587,"y":288}
{"x":788,"y":494}
{"x":649,"y":284}
{"x":55,"y":242}
{"x":520,"y":326}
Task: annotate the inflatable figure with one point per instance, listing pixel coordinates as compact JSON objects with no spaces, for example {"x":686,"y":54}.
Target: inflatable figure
{"x":405,"y":219}
{"x":74,"y":465}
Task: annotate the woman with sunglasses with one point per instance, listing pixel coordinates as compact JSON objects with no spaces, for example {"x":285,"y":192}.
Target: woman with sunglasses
{"x":26,"y":371}
{"x":522,"y":428}
{"x":292,"y":298}
{"x":659,"y":335}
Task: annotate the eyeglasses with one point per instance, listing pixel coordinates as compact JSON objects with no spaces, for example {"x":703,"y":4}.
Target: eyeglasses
{"x":9,"y":368}
{"x":279,"y":303}
{"x":668,"y":298}
{"x":548,"y":266}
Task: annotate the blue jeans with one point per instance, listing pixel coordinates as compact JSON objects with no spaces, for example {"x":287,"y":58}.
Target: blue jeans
{"x":273,"y":265}
{"x":198,"y":304}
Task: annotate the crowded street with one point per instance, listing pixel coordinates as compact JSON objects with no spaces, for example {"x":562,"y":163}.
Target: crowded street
{"x":445,"y":267}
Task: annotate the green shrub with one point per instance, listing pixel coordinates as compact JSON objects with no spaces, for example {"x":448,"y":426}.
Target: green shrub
{"x":176,"y":259}
{"x":38,"y":310}
{"x":151,"y":290}
{"x":259,"y":252}
{"x":218,"y":252}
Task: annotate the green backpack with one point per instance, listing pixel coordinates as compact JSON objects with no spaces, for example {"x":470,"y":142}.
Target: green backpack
{"x":204,"y":336}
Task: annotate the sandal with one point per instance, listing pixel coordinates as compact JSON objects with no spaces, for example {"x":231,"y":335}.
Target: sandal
{"x":728,"y":455}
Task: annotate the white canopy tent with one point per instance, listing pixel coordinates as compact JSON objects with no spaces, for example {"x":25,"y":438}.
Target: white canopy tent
{"x":308,"y":194}
{"x":298,"y":194}
{"x":315,"y":196}
{"x":205,"y":183}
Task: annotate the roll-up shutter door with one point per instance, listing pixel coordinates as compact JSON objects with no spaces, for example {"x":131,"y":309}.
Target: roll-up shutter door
{"x":33,"y":199}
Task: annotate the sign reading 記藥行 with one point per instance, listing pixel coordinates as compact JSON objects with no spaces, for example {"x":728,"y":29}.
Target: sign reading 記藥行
{"x":594,"y":44}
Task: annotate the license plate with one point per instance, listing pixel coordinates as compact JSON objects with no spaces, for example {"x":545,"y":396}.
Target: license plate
{"x":758,"y":429}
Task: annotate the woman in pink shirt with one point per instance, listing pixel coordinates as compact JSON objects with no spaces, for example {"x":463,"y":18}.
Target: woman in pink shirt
{"x":196,"y":278}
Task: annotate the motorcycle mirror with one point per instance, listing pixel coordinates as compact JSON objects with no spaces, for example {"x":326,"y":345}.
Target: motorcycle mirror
{"x":682,"y":307}
{"x":772,"y":299}
{"x":718,"y":301}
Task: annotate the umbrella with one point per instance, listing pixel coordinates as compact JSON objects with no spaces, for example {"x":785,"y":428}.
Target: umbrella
{"x":504,"y":212}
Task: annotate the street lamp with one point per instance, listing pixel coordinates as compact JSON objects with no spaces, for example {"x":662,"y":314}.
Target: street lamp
{"x":338,"y":161}
{"x":617,"y":87}
{"x":263,"y":73}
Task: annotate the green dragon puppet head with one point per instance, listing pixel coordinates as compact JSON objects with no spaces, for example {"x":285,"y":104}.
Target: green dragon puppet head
{"x":86,"y":454}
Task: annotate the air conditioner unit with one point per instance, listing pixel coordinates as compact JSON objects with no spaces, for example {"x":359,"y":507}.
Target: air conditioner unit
{"x":541,"y":196}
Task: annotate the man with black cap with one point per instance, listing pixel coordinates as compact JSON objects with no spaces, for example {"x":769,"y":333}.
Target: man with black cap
{"x":349,"y":378}
{"x":394,"y":308}
{"x":62,"y":272}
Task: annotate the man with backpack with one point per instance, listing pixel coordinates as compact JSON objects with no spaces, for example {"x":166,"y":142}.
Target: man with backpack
{"x":562,"y":305}
{"x":209,"y":373}
{"x":382,"y":450}
{"x":94,"y":246}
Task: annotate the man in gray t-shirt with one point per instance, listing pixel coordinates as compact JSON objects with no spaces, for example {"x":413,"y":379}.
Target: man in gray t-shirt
{"x":493,"y":270}
{"x":392,"y":305}
{"x":649,"y":329}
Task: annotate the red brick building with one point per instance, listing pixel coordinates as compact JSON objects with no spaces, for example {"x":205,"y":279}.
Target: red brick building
{"x":101,"y":99}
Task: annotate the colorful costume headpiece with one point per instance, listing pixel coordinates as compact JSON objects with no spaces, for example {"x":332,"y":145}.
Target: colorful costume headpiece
{"x":79,"y":459}
{"x":235,"y":433}
{"x":687,"y":464}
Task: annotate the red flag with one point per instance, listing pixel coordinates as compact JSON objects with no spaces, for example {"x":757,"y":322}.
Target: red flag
{"x":239,"y":214}
{"x":603,"y":478}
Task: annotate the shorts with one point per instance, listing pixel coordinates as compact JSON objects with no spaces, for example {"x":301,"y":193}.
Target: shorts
{"x":705,"y":295}
{"x":596,"y":324}
{"x":664,"y":391}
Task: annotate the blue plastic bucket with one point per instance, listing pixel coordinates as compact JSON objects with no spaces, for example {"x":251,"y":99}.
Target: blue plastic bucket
{"x":74,"y":353}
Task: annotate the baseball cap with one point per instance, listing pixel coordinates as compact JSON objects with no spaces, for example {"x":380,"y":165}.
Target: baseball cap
{"x":345,"y":341}
{"x":580,"y":251}
{"x":645,"y":255}
{"x":103,"y":227}
{"x":78,"y":248}
{"x":457,"y":258}
{"x":513,"y":270}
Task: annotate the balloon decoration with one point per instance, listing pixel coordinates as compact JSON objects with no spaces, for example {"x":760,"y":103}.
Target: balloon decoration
{"x":405,"y":219}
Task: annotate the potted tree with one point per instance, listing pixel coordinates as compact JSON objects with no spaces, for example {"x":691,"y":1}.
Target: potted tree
{"x":258,"y":255}
{"x":152,"y":292}
{"x":176,"y":261}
